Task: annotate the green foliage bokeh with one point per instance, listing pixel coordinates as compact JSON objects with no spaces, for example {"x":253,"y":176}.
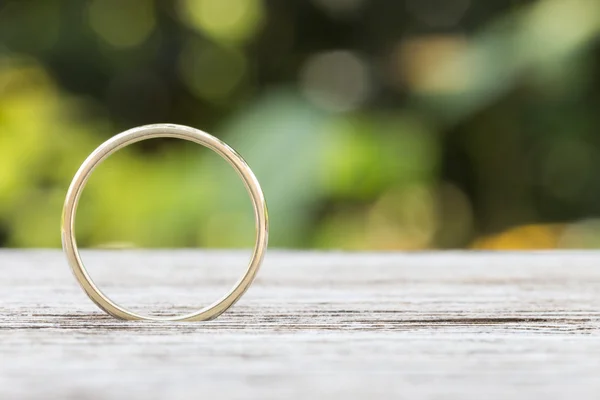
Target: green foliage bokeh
{"x":375,"y":126}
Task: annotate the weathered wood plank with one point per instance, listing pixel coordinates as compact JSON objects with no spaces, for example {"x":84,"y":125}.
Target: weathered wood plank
{"x":431,"y":326}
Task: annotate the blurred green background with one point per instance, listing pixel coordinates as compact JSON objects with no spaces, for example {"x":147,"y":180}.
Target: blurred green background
{"x":371,"y":124}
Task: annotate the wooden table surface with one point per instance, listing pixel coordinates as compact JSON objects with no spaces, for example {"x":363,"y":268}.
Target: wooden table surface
{"x":448,"y":325}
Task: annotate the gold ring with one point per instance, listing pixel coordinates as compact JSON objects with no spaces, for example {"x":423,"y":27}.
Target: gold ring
{"x":149,"y":132}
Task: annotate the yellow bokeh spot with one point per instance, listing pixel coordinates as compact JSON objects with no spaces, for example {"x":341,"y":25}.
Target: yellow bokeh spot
{"x":527,"y":237}
{"x":229,"y":20}
{"x":122,"y":24}
{"x":403,"y":218}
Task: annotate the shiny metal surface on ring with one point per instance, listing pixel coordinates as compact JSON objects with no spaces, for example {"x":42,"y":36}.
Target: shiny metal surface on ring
{"x":160,"y":131}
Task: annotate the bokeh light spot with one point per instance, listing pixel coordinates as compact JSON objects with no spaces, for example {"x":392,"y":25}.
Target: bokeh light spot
{"x":122,"y":24}
{"x":416,"y":64}
{"x":556,"y":26}
{"x":403,"y":218}
{"x":211,"y":72}
{"x":229,"y":20}
{"x":535,"y":236}
{"x":336,"y":81}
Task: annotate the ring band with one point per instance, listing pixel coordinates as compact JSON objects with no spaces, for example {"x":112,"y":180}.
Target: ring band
{"x":158,"y":131}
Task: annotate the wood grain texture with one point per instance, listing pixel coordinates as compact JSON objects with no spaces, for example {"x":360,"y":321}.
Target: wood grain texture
{"x":314,"y":325}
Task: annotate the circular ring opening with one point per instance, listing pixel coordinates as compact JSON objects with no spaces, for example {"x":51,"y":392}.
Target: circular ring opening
{"x":149,"y":132}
